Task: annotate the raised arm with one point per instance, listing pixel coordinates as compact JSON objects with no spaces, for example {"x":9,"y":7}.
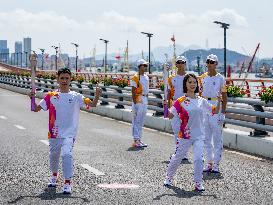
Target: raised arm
{"x":93,"y":103}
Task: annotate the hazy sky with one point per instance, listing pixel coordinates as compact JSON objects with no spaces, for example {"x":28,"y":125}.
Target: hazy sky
{"x":50,"y":22}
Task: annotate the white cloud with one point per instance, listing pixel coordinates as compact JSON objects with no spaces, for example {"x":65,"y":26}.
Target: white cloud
{"x":227,"y":15}
{"x":176,"y":19}
{"x":49,"y":27}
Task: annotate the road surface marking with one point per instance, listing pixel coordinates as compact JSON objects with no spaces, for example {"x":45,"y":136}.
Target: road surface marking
{"x":45,"y":142}
{"x":20,"y":127}
{"x":118,"y":186}
{"x":93,"y":170}
{"x":3,"y":117}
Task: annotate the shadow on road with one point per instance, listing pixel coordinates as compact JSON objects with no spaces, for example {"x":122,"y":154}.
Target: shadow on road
{"x":49,"y":194}
{"x":182,"y":162}
{"x":210,"y":176}
{"x":135,"y":149}
{"x":181,"y":193}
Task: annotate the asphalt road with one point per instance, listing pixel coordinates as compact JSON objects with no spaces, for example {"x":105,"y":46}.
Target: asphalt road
{"x":108,"y":171}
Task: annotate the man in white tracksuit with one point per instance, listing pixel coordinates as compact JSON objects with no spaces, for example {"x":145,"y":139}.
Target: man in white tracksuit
{"x":64,"y":109}
{"x":140,"y":91}
{"x":212,"y":85}
{"x":175,"y":91}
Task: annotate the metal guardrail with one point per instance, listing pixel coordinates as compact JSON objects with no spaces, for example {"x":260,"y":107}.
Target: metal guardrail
{"x":122,"y":97}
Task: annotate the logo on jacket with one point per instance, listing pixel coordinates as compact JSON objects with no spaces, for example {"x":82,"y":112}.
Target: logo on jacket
{"x":187,"y":102}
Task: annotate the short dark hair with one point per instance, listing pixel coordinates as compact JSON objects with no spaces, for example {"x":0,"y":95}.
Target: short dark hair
{"x":64,"y":70}
{"x":186,"y":78}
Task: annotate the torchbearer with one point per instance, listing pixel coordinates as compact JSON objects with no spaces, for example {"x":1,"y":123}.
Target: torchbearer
{"x":190,"y":109}
{"x":64,"y":108}
{"x":140,"y":91}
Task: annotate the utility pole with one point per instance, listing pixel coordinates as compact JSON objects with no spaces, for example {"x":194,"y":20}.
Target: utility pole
{"x":149,"y":35}
{"x":76,"y":47}
{"x":42,"y":50}
{"x":225,"y":26}
{"x":105,"y":57}
{"x":56,"y":57}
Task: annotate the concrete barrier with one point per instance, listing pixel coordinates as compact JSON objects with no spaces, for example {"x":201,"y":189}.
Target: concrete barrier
{"x":234,"y":139}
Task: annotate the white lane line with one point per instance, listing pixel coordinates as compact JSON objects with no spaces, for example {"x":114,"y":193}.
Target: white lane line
{"x":93,"y":170}
{"x":45,"y":142}
{"x":3,"y":117}
{"x":20,"y":127}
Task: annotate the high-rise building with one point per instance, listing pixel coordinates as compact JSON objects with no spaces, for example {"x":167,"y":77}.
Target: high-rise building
{"x":27,"y":44}
{"x":27,"y":49}
{"x":4,"y":51}
{"x":18,"y":46}
{"x":18,"y":52}
{"x":3,"y":44}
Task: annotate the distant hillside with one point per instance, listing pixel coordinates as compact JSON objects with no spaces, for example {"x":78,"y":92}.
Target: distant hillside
{"x":232,"y":56}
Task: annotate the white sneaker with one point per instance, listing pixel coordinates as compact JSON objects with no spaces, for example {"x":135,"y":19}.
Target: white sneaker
{"x":215,"y":169}
{"x":199,"y":186}
{"x":168,"y":182}
{"x":208,"y":168}
{"x":67,"y":189}
{"x":53,"y":181}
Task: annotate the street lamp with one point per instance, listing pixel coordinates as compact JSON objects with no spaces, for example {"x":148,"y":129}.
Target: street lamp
{"x":76,"y":47}
{"x":225,"y":26}
{"x":42,"y":50}
{"x":149,"y":35}
{"x":56,"y":58}
{"x":105,"y":58}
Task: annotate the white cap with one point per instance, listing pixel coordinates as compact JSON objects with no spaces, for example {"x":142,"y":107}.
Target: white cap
{"x":181,"y":58}
{"x":142,"y":62}
{"x":212,"y":57}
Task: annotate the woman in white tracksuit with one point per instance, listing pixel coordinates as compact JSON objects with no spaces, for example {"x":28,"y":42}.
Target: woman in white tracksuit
{"x":190,"y":109}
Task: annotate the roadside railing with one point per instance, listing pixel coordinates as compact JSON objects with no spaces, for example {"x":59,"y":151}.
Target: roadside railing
{"x":245,"y":112}
{"x":250,"y":86}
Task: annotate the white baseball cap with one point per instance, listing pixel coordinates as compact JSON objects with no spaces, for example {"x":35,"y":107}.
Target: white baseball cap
{"x":181,"y":58}
{"x":212,"y":57}
{"x":142,"y":62}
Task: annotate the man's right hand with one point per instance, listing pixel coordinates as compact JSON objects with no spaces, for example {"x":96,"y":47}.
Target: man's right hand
{"x":31,"y":94}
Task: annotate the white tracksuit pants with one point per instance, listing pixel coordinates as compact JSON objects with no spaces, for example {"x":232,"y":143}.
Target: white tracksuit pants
{"x":175,"y":122}
{"x":139,"y":112}
{"x":198,"y":147}
{"x":213,"y":138}
{"x":63,"y":147}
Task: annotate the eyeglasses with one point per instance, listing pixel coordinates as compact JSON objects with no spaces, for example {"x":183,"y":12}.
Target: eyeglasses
{"x":210,"y":61}
{"x":181,"y":62}
{"x":145,"y":65}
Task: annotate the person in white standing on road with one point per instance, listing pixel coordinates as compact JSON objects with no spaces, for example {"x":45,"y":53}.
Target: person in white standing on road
{"x":190,"y":109}
{"x":64,"y":108}
{"x":213,"y":84}
{"x":175,"y":91}
{"x":140,"y":91}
